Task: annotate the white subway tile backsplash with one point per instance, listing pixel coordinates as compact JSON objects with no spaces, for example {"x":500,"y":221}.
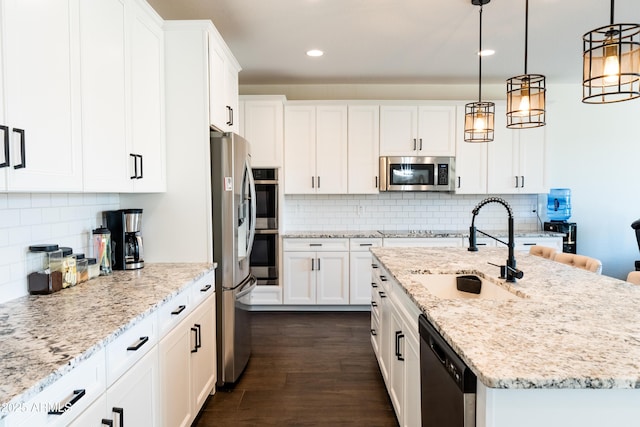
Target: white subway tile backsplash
{"x":403,"y":211}
{"x":26,"y":219}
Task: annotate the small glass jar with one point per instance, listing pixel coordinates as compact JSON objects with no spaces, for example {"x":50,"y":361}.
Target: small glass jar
{"x":69,"y":275}
{"x":82,"y":270}
{"x":93,"y":268}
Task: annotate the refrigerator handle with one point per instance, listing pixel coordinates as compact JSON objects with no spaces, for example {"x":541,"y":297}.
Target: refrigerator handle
{"x":252,"y":229}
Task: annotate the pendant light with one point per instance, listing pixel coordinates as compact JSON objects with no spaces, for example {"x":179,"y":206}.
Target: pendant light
{"x":526,"y":93}
{"x":479,"y":116}
{"x":611,"y":63}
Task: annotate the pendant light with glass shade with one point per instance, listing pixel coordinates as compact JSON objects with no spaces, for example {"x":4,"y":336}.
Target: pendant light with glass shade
{"x":479,"y":116}
{"x":526,"y":93}
{"x":611,"y":63}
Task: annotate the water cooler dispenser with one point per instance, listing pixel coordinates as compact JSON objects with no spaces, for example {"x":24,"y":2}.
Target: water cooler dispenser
{"x":558,"y":212}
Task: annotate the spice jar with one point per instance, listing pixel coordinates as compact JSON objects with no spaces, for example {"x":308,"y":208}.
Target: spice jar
{"x":93,"y":268}
{"x":82,"y":268}
{"x":69,"y":276}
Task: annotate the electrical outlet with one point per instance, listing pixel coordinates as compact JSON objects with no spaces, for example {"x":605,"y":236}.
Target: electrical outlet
{"x":360,"y":210}
{"x":534,"y":208}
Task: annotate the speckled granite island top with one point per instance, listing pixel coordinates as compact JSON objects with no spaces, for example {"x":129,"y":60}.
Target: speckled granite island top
{"x":571,"y":328}
{"x":354,"y":234}
{"x":44,"y":336}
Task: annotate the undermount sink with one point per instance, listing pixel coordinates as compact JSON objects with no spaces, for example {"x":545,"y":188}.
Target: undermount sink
{"x":444,"y":286}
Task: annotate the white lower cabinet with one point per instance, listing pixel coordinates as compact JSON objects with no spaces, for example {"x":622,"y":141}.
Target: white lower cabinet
{"x":360,"y":269}
{"x":316,"y":271}
{"x":187,"y":365}
{"x":524,"y":243}
{"x":399,"y":346}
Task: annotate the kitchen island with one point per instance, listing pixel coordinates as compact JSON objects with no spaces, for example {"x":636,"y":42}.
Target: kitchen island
{"x":565,"y":351}
{"x":44,"y":338}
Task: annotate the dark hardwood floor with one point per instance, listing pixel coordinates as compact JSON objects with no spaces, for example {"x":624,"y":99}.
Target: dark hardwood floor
{"x":306,"y":369}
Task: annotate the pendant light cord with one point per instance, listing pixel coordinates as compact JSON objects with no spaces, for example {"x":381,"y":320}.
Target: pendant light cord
{"x":526,"y":34}
{"x":612,"y":4}
{"x":480,"y":60}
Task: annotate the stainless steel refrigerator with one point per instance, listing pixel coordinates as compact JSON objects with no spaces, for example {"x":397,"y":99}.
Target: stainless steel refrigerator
{"x":233,"y":218}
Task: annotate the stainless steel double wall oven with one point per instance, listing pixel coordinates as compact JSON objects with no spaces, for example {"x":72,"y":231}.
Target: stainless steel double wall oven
{"x":264,"y":256}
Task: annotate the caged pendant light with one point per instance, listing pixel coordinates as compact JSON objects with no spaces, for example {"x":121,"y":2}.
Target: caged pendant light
{"x":526,"y":93}
{"x":611,"y":63}
{"x":479,"y":116}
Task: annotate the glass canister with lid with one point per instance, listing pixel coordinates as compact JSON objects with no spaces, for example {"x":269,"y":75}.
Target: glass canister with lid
{"x":102,"y":249}
{"x":69,"y":276}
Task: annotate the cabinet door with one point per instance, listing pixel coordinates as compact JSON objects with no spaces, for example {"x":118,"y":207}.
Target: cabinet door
{"x":263,"y":128}
{"x":411,"y":411}
{"x":332,"y":270}
{"x":437,"y":130}
{"x":299,"y":149}
{"x":203,"y":363}
{"x":41,"y":94}
{"x":299,"y":277}
{"x":386,"y":341}
{"x":231,"y":96}
{"x":217,"y":96}
{"x":331,"y":149}
{"x":360,"y":278}
{"x":471,"y":164}
{"x":93,"y":415}
{"x":396,"y":365}
{"x":532,"y":160}
{"x":502,"y":158}
{"x":175,"y":382}
{"x":136,"y":394}
{"x":398,"y":130}
{"x":147,"y":102}
{"x":363,"y":146}
{"x":104,"y":107}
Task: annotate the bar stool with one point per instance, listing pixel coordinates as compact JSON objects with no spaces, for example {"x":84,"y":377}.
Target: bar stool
{"x":580,"y":261}
{"x":542,"y":251}
{"x":634,"y":277}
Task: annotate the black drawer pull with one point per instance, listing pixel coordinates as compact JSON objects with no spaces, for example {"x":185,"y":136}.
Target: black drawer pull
{"x":374,"y":285}
{"x":374,"y":265}
{"x":136,"y":345}
{"x":382,"y":294}
{"x":178,"y":310}
{"x":373,"y":332}
{"x":195,"y":349}
{"x":206,"y":288}
{"x":315,"y":244}
{"x":23,"y":160}
{"x":106,"y":422}
{"x":383,"y":278}
{"x":366,"y":244}
{"x":6,"y":163}
{"x":120,"y":412}
{"x":61,"y":409}
{"x":374,"y":304}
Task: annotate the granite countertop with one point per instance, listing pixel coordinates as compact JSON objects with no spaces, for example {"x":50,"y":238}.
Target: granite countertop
{"x":310,"y":234}
{"x":571,"y":328}
{"x":44,"y":336}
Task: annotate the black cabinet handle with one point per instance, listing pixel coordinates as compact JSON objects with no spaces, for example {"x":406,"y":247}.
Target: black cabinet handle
{"x":231,"y":124}
{"x":459,"y":182}
{"x":62,"y":408}
{"x":374,"y":304}
{"x":522,"y":176}
{"x":195,"y":349}
{"x":198,"y":336}
{"x":135,"y":166}
{"x":312,"y":261}
{"x":315,"y":244}
{"x":420,"y":144}
{"x":23,"y":158}
{"x":374,"y":265}
{"x":141,"y":173}
{"x":399,"y":336}
{"x":517,"y":182}
{"x":383,"y":278}
{"x":106,"y":422}
{"x":229,"y":121}
{"x":382,"y":294}
{"x":120,"y":412}
{"x":318,"y":264}
{"x":414,"y":144}
{"x":376,"y":182}
{"x":318,"y":181}
{"x":178,"y":310}
{"x":366,"y":244}
{"x":374,"y":285}
{"x":373,"y":332}
{"x":6,"y":163}
{"x":206,"y":288}
{"x":136,"y":345}
{"x":313,"y":181}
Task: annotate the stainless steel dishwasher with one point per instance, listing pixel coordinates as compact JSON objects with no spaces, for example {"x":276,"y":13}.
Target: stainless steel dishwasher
{"x":447,"y":385}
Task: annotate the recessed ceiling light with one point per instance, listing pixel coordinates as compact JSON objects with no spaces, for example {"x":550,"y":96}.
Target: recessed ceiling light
{"x":315,"y":52}
{"x":487,"y":52}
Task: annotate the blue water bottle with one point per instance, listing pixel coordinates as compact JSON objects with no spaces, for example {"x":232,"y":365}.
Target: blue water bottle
{"x":559,"y":204}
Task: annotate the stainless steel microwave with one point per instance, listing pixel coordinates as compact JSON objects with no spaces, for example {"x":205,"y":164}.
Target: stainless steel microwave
{"x":417,"y":173}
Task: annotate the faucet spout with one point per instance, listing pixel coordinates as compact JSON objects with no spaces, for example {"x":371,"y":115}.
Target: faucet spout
{"x":510,"y":270}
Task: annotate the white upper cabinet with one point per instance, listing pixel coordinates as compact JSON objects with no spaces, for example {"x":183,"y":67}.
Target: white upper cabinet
{"x":315,"y":149}
{"x":417,"y":130}
{"x":471,"y":162}
{"x":516,"y":159}
{"x":262,"y":124}
{"x":223,"y":84}
{"x":363,"y":149}
{"x":104,"y":98}
{"x":147,"y":152}
{"x":40,"y":131}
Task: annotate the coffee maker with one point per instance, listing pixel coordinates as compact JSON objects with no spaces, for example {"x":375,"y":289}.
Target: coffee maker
{"x":125,"y":225}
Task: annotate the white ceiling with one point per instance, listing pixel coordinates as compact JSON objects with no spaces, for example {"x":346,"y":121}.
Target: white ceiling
{"x":400,"y":41}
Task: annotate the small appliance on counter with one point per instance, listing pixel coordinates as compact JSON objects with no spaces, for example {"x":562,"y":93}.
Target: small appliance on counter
{"x":569,"y":231}
{"x":126,"y":238}
{"x":558,"y":212}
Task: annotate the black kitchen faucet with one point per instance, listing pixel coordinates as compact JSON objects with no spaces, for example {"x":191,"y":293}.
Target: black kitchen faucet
{"x":508,"y":271}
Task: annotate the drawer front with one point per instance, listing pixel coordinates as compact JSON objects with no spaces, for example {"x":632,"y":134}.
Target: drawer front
{"x":70,"y":395}
{"x":423,"y":242}
{"x":173,"y":311}
{"x":130,"y":346}
{"x":318,"y":245}
{"x":203,"y":288}
{"x":364,"y":244}
{"x":375,"y":333}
